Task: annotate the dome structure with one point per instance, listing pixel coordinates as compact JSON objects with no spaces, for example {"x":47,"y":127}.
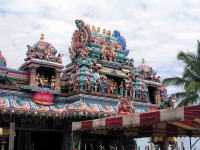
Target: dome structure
{"x":144,"y":69}
{"x":42,"y":47}
{"x":2,"y":60}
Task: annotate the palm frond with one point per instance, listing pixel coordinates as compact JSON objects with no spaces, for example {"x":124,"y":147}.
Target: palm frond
{"x":190,"y":99}
{"x":193,"y":87}
{"x":188,"y":74}
{"x":186,"y":58}
{"x":175,"y":81}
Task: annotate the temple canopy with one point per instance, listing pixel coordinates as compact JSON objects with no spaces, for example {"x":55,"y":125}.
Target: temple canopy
{"x":178,"y":122}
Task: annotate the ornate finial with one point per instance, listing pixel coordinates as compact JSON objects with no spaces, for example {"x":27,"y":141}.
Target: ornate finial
{"x":98,"y":30}
{"x":143,"y":61}
{"x":104,"y":31}
{"x":93,"y":29}
{"x":42,"y":37}
{"x":109,"y":33}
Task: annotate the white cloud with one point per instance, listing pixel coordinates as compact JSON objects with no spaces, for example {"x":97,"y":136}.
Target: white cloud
{"x":154,"y":30}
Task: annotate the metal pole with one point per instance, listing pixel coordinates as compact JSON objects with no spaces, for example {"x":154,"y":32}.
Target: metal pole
{"x":195,"y":142}
{"x":11,"y":136}
{"x":190,"y":143}
{"x":72,"y":145}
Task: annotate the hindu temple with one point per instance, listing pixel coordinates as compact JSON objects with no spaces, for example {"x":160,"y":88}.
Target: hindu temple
{"x":44,"y":96}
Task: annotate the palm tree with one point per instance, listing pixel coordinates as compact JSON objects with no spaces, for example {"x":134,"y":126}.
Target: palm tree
{"x":190,"y":80}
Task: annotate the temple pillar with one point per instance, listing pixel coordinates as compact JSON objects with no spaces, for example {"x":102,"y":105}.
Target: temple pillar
{"x":3,"y":143}
{"x":57,"y":80}
{"x":32,"y":78}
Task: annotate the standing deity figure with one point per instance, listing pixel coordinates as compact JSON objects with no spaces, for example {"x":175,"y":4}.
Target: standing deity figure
{"x":137,"y":95}
{"x":142,"y":92}
{"x":97,"y":84}
{"x":121,"y":89}
{"x":75,"y":84}
{"x":103,"y":84}
{"x":104,"y":55}
{"x":157,"y":98}
{"x":39,"y":81}
{"x":52,"y":83}
{"x":108,"y":86}
{"x":88,"y":84}
{"x":110,"y":55}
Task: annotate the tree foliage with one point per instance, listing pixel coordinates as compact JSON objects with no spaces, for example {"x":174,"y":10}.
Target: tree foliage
{"x":190,"y":80}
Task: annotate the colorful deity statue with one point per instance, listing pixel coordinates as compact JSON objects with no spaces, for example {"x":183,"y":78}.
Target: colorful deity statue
{"x":97,"y":85}
{"x":121,"y":89}
{"x":39,"y":81}
{"x":108,"y":86}
{"x":84,"y":53}
{"x":168,"y":102}
{"x":103,"y":83}
{"x":59,"y":58}
{"x":76,"y":87}
{"x":52,"y":82}
{"x":110,"y":55}
{"x":104,"y":54}
{"x":88,"y":84}
{"x":31,"y":53}
{"x":70,"y":85}
{"x":156,"y":95}
{"x":124,"y":106}
{"x":132,"y":90}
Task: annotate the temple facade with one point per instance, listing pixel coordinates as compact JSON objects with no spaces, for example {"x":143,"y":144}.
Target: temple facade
{"x":44,"y":96}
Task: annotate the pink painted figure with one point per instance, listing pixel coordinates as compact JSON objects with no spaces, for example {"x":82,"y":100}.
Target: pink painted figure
{"x":59,"y":58}
{"x":124,"y":107}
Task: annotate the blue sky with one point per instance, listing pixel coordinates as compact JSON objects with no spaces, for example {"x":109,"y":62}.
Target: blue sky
{"x":154,"y":30}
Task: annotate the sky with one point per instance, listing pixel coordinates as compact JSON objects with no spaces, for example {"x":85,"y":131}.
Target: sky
{"x":154,"y":30}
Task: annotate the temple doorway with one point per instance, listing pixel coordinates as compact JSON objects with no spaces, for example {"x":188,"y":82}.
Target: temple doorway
{"x":46,"y":140}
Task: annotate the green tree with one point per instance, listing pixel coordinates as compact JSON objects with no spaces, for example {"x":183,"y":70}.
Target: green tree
{"x":190,"y":80}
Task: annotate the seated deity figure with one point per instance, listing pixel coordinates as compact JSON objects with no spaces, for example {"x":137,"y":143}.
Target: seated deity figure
{"x":59,"y":58}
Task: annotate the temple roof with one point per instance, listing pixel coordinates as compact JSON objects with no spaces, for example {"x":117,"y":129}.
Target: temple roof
{"x":27,"y":107}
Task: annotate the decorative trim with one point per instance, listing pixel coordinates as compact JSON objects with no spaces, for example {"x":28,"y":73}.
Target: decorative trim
{"x":39,"y":89}
{"x":13,"y":70}
{"x":41,"y":63}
